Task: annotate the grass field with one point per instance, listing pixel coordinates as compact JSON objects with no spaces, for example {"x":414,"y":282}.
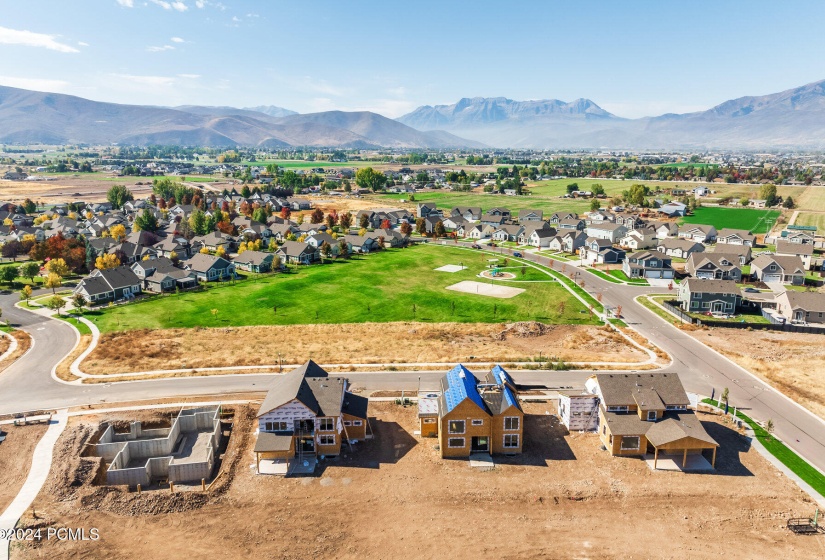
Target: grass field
{"x":809,"y":219}
{"x":753,"y":220}
{"x":813,"y":198}
{"x":397,"y":285}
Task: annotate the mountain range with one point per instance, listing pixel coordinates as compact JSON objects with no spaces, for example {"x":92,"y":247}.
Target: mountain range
{"x":793,"y":118}
{"x":789,"y":119}
{"x":28,"y":117}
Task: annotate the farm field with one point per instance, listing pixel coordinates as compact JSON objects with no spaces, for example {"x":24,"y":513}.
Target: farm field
{"x":813,"y":198}
{"x":811,"y":219}
{"x":544,"y":494}
{"x":395,"y":285}
{"x":449,"y":199}
{"x":750,"y":219}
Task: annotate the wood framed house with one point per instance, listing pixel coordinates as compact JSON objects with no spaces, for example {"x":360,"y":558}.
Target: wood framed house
{"x":579,"y":411}
{"x":742,"y":252}
{"x":801,"y":307}
{"x":638,"y":239}
{"x":530,"y":216}
{"x":254,"y":261}
{"x":161,"y":275}
{"x":541,"y":238}
{"x":778,"y":269}
{"x":309,"y":414}
{"x":600,"y":251}
{"x":507,"y":232}
{"x":699,"y":295}
{"x":644,"y":414}
{"x":805,"y":251}
{"x":647,"y":264}
{"x":718,"y":266}
{"x":479,"y":416}
{"x":610,"y":231}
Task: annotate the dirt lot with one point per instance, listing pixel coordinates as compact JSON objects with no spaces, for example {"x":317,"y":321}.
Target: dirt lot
{"x":365,"y":343}
{"x":394,"y":497}
{"x":24,"y":342}
{"x":15,"y":458}
{"x":791,"y":362}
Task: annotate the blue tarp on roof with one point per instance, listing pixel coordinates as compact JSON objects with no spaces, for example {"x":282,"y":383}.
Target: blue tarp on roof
{"x":502,"y":377}
{"x":461,"y":383}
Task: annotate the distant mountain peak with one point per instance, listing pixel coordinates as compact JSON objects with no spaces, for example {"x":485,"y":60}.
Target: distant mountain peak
{"x":271,"y":110}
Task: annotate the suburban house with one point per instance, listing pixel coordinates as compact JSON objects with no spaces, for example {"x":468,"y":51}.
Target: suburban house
{"x":804,"y":251}
{"x":423,"y":210}
{"x":297,"y":252}
{"x":468,"y":213}
{"x":638,"y":239}
{"x":736,"y":237}
{"x":527,"y":229}
{"x":640,"y":413}
{"x":698,"y":232}
{"x":559,"y":216}
{"x":611,"y":232}
{"x":801,"y":307}
{"x":718,"y":266}
{"x":700,"y":295}
{"x":477,"y":416}
{"x":647,"y":264}
{"x":569,"y":242}
{"x":161,"y":275}
{"x":663,"y":230}
{"x":498,"y":211}
{"x":679,"y":248}
{"x":775,"y":268}
{"x":572,"y":224}
{"x":742,"y":252}
{"x":541,"y":238}
{"x":360,"y":243}
{"x":600,"y":251}
{"x":306,"y":414}
{"x":507,"y":232}
{"x":530,"y":216}
{"x":798,"y":236}
{"x":254,"y":261}
{"x":210,"y":268}
{"x":113,"y":284}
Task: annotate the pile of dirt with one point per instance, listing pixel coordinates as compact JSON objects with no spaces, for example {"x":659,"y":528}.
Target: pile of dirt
{"x":523,"y":329}
{"x":119,"y":502}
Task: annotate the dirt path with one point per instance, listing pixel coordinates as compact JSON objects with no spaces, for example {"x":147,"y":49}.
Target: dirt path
{"x":15,"y":458}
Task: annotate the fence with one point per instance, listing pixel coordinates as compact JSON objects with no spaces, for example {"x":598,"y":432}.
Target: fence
{"x":772,"y":326}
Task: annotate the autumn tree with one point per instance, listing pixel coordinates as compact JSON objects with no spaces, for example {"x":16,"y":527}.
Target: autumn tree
{"x":317,"y":216}
{"x":107,"y":261}
{"x":79,"y":302}
{"x":343,"y":249}
{"x":369,"y":178}
{"x":439,"y":229}
{"x":26,"y":293}
{"x":406,"y":228}
{"x":285,"y":212}
{"x":326,"y":250}
{"x":421,"y":226}
{"x":53,"y":281}
{"x":118,"y":232}
{"x":345,"y":220}
{"x":364,"y":222}
{"x":58,"y":266}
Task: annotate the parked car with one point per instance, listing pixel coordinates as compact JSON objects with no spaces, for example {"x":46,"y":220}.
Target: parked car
{"x":517,"y":254}
{"x":751,"y":290}
{"x":475,"y":246}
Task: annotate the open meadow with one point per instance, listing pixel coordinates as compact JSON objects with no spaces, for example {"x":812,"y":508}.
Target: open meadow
{"x":750,"y":219}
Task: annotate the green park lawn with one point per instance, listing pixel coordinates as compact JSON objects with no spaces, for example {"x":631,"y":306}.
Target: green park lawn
{"x":751,"y":219}
{"x":395,"y":285}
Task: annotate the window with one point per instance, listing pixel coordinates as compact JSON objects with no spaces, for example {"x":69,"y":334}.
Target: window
{"x":357,"y":423}
{"x":694,"y":304}
{"x":511,"y":422}
{"x":622,"y":408}
{"x":326,"y":424}
{"x":456,"y":427}
{"x":326,"y":440}
{"x":604,"y":430}
{"x":347,"y":423}
{"x":651,"y":415}
{"x":276,"y":427}
{"x":429,"y":420}
{"x":630,"y":443}
{"x":477,"y":422}
{"x":676,"y":407}
{"x":455,"y":442}
{"x":510,"y":441}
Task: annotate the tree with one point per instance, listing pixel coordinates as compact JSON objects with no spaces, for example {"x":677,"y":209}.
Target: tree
{"x":29,"y":270}
{"x":285,"y":212}
{"x":259,"y":215}
{"x":118,"y":232}
{"x":725,"y":394}
{"x":345,"y":220}
{"x":79,"y":302}
{"x":421,"y":226}
{"x":26,"y":293}
{"x":572,"y":187}
{"x":769,"y":426}
{"x":362,"y":232}
{"x":594,"y":205}
{"x":597,"y":190}
{"x":767,"y":193}
{"x":58,"y":266}
{"x":326,"y":250}
{"x":9,"y":273}
{"x":386,"y":224}
{"x":220,"y":252}
{"x":107,"y":261}
{"x":789,"y":203}
{"x":56,"y":303}
{"x":343,"y":249}
{"x":118,"y":195}
{"x":146,"y":221}
{"x":53,"y":281}
{"x":204,"y":251}
{"x":198,"y":223}
{"x":406,"y":228}
{"x":439,"y":229}
{"x":29,"y":206}
{"x":317,"y":216}
{"x":364,"y":222}
{"x":369,"y":178}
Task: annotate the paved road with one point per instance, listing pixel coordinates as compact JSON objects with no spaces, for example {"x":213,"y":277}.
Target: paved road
{"x":28,"y":385}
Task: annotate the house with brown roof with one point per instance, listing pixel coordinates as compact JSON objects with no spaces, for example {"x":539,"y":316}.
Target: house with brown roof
{"x":743,"y":252}
{"x":778,"y":269}
{"x":647,"y":413}
{"x":805,"y":251}
{"x":648,"y":264}
{"x":801,"y":307}
{"x":736,"y":237}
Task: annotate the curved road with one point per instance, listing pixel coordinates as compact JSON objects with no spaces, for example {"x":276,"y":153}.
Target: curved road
{"x":28,"y":384}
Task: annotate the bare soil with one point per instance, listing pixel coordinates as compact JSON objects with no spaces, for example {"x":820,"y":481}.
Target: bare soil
{"x":147,"y":350}
{"x":16,"y":457}
{"x":394,"y":497}
{"x":24,"y":342}
{"x":791,"y":362}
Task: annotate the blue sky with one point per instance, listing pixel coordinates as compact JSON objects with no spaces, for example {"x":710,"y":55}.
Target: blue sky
{"x":632,"y":58}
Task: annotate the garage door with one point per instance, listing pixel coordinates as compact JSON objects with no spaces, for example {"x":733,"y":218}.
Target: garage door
{"x":772,"y":278}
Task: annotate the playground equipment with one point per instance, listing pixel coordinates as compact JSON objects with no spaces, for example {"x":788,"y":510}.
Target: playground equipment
{"x":805,"y":525}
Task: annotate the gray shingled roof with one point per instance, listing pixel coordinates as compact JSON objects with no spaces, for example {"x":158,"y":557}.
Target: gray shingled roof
{"x":311,"y":385}
{"x":708,"y":286}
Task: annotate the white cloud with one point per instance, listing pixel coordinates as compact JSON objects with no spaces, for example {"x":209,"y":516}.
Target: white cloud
{"x":189,"y":76}
{"x":180,"y":6}
{"x":146,"y":80}
{"x":177,"y":40}
{"x":126,"y":3}
{"x":177,"y":5}
{"x":34,"y":83}
{"x":236,"y":19}
{"x":200,"y":4}
{"x":31,"y":39}
{"x":82,"y":44}
{"x":160,"y":49}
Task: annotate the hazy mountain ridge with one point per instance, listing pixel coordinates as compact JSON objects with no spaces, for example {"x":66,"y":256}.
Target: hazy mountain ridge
{"x":37,"y":117}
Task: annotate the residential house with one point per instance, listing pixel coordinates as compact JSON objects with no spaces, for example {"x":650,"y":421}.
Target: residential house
{"x":679,"y":248}
{"x":638,"y":239}
{"x":468,"y":213}
{"x":297,"y":252}
{"x":778,"y":269}
{"x":210,"y":268}
{"x":610,"y":231}
{"x":113,"y":284}
{"x":742,"y":252}
{"x":718,"y":266}
{"x":507,"y":232}
{"x":571,"y":224}
{"x":804,"y":251}
{"x":424,"y":209}
{"x":801,"y":307}
{"x":579,"y":411}
{"x":698,"y":232}
{"x":359,"y":243}
{"x":530,"y":216}
{"x":647,"y":264}
{"x":640,"y":413}
{"x":736,"y":237}
{"x":161,"y":275}
{"x":306,"y":414}
{"x":541,"y":238}
{"x":479,"y":416}
{"x":798,"y":236}
{"x":254,"y":261}
{"x":489,"y":220}
{"x":498,"y":211}
{"x":600,"y":251}
{"x":700,"y":295}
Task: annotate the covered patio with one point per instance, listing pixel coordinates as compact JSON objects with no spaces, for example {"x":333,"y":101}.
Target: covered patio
{"x":273,"y":453}
{"x":681,"y":441}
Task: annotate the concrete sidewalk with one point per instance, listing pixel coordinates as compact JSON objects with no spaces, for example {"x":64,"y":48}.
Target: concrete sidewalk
{"x":41,"y":464}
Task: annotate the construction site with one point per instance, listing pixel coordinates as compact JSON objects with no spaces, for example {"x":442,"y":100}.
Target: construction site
{"x":396,"y":495}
